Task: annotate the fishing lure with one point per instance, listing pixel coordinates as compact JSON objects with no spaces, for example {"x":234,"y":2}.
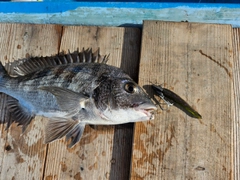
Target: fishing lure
{"x":171,"y":98}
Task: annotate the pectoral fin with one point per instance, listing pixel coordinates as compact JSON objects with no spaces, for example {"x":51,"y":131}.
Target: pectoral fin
{"x":68,"y":100}
{"x":57,"y":128}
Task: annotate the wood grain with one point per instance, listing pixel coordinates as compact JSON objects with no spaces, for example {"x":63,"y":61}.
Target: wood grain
{"x":236,"y":73}
{"x":22,"y":156}
{"x":104,"y":152}
{"x":195,"y":61}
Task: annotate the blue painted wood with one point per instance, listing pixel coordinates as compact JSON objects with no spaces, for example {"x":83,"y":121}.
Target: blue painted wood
{"x":117,"y":13}
{"x":59,"y":7}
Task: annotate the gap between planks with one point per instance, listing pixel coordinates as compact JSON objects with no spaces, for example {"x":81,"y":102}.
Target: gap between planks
{"x":236,"y":57}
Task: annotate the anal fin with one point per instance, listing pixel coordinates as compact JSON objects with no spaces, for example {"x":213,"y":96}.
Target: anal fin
{"x":15,"y":112}
{"x":57,"y":128}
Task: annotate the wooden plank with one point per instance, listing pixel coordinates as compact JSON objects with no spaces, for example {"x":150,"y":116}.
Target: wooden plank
{"x":195,"y":61}
{"x":23,"y":156}
{"x":102,"y":153}
{"x":236,"y":73}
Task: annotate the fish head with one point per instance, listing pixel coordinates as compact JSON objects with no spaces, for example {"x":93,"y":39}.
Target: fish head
{"x":123,"y":100}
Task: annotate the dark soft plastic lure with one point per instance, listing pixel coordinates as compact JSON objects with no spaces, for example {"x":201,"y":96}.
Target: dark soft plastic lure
{"x":173,"y":99}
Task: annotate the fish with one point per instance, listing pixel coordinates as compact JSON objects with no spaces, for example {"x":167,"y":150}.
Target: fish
{"x":72,"y":90}
{"x":171,"y":98}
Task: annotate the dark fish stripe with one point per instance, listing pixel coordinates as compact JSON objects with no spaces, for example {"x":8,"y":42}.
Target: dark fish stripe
{"x":58,"y":71}
{"x":76,"y":69}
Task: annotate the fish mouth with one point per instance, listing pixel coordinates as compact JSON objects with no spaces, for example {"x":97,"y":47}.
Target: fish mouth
{"x":146,"y":108}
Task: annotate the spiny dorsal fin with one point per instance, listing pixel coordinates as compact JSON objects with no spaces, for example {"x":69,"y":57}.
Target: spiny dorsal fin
{"x":33,"y":64}
{"x":57,"y":128}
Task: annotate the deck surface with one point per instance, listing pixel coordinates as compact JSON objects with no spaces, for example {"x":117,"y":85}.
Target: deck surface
{"x":199,"y":62}
{"x":194,"y":60}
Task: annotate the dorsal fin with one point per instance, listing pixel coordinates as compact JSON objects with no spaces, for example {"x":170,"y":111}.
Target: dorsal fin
{"x":33,"y":64}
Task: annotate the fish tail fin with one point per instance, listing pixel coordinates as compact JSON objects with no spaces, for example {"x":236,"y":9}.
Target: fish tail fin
{"x":11,"y":109}
{"x":57,"y":128}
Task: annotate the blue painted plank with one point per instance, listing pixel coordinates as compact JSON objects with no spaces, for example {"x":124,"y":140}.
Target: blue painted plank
{"x":117,"y":13}
{"x":59,"y":7}
{"x":139,"y":1}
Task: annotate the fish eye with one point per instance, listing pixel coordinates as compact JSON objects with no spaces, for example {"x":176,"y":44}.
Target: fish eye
{"x":130,"y":87}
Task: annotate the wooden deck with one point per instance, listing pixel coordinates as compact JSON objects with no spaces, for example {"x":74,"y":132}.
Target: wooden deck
{"x":200,"y":62}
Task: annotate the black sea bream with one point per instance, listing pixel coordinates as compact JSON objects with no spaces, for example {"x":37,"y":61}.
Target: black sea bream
{"x":72,"y":90}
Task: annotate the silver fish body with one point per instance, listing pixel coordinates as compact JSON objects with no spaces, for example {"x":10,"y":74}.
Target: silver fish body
{"x":73,"y":94}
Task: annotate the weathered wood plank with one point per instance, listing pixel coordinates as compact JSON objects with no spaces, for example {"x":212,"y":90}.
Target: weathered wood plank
{"x":236,"y":73}
{"x":23,"y":156}
{"x":102,"y":153}
{"x":195,"y":61}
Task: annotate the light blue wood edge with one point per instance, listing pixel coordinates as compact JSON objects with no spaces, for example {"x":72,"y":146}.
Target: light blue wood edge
{"x":117,"y":14}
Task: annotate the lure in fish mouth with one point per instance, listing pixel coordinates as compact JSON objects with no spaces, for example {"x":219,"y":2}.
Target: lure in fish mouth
{"x":72,"y":90}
